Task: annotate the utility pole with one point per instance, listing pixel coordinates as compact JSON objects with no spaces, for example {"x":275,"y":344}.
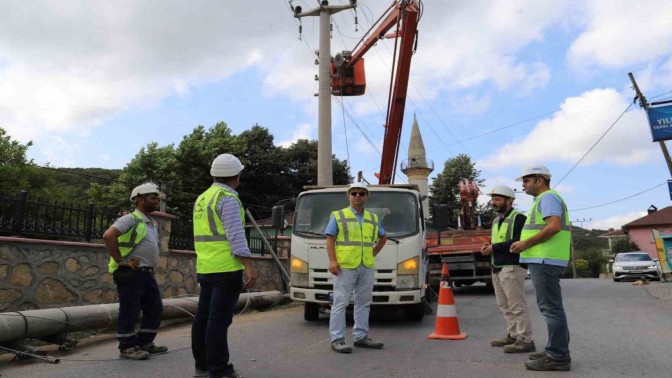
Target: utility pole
{"x":324,"y":155}
{"x":573,"y":250}
{"x":644,"y":104}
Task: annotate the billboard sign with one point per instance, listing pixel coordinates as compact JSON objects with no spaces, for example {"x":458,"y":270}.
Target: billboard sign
{"x":660,"y":120}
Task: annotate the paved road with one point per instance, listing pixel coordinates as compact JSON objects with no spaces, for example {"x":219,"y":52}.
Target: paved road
{"x":617,"y":329}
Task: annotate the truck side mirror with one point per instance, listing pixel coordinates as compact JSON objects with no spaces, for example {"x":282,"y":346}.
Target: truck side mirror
{"x":611,"y":261}
{"x":441,"y":215}
{"x":278,"y":217}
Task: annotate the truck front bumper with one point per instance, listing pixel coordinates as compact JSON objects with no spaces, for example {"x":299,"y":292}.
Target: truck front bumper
{"x":389,"y":298}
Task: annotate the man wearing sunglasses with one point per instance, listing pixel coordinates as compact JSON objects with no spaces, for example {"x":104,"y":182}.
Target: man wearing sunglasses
{"x":133,"y":245}
{"x":544,"y":246}
{"x":352,"y":247}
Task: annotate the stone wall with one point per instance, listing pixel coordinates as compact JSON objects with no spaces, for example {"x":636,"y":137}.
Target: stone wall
{"x":38,"y":274}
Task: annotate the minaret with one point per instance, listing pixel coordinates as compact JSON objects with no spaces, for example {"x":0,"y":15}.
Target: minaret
{"x":417,"y":168}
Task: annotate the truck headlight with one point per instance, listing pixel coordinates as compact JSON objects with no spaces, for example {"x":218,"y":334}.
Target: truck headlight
{"x":299,"y":279}
{"x":409,"y":266}
{"x":298,"y":266}
{"x":616,"y":267}
{"x":407,"y":273}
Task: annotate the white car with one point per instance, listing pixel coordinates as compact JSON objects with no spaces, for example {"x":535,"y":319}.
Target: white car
{"x":635,"y":265}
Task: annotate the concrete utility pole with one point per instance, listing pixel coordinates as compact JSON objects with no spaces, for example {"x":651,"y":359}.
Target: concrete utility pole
{"x":324,"y":155}
{"x":573,"y":250}
{"x":644,"y":104}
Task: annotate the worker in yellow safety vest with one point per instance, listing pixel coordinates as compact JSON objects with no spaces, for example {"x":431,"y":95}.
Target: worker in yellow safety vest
{"x":544,"y":246}
{"x":354,"y":238}
{"x":222,"y":255}
{"x":508,"y":274}
{"x":133,"y":244}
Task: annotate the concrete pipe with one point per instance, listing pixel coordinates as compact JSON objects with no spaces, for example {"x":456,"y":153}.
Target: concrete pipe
{"x":41,"y":324}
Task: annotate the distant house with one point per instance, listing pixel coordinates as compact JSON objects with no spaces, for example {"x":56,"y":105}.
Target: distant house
{"x":612,"y":236}
{"x":641,"y":230}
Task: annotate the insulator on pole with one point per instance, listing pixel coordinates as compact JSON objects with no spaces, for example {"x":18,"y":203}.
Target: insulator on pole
{"x":356,"y":21}
{"x":300,"y":29}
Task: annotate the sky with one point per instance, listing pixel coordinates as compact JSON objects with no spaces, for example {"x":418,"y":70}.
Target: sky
{"x":509,"y":83}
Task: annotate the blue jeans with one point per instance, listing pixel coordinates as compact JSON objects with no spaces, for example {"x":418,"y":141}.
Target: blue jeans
{"x":360,"y":280}
{"x":209,"y":332}
{"x":546,"y":281}
{"x":137,"y":292}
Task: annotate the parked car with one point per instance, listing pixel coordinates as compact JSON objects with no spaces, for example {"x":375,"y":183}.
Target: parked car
{"x":636,"y":264}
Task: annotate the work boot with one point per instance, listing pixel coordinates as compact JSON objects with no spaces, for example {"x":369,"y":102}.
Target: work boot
{"x":508,"y":340}
{"x":546,"y":363}
{"x":537,"y":355}
{"x":520,"y":346}
{"x":134,"y":353}
{"x":201,"y":373}
{"x":339,"y":346}
{"x":153,"y":349}
{"x":368,"y":343}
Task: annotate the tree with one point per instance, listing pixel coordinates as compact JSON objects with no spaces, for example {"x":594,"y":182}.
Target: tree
{"x":13,"y":164}
{"x":623,"y":245}
{"x":445,"y":187}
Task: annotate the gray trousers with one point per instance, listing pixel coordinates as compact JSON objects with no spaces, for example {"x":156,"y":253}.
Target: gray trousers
{"x":357,"y":283}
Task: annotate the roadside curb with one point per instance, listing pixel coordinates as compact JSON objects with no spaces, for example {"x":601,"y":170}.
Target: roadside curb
{"x":660,"y":290}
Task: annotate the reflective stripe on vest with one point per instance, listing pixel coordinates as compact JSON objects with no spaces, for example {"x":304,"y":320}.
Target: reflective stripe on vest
{"x":557,"y":247}
{"x":130,"y":239}
{"x":213,"y":250}
{"x":355,"y":241}
{"x":503,"y":233}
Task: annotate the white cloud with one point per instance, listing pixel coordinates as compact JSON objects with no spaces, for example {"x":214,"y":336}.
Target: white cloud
{"x":302,"y":131}
{"x":616,"y":221}
{"x":621,"y":32}
{"x":571,"y":132}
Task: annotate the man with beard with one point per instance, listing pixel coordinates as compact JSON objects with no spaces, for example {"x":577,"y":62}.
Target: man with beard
{"x":508,"y":275}
{"x":133,"y":245}
{"x":544,"y":245}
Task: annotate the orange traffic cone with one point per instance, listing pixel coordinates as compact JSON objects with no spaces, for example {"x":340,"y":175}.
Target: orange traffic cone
{"x":447,"y":326}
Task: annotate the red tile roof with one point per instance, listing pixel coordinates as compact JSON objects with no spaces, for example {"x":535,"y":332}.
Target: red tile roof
{"x":662,"y":217}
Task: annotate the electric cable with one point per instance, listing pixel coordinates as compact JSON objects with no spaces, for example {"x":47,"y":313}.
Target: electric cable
{"x":619,"y":200}
{"x":593,"y":146}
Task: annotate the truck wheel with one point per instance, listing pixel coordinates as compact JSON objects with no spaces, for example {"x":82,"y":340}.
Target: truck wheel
{"x":489,"y":287}
{"x":415,"y":312}
{"x":311,"y":311}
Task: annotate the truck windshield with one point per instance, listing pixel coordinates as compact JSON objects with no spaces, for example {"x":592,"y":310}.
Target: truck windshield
{"x":397,"y":212}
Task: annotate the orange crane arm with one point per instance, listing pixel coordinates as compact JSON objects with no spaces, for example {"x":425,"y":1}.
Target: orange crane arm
{"x":403,"y":13}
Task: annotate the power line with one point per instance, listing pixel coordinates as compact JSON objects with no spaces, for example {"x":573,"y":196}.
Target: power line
{"x":593,"y":146}
{"x":619,"y":200}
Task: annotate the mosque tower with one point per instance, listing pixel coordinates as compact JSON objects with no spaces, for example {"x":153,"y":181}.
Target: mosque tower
{"x":417,"y":168}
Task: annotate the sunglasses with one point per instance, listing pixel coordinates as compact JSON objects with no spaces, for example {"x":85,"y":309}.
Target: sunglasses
{"x":360,"y":194}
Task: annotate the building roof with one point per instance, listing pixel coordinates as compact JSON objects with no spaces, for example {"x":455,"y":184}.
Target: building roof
{"x":662,"y":217}
{"x":612,"y":234}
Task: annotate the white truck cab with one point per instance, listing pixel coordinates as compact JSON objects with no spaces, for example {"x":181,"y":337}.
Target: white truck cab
{"x":400,"y":277}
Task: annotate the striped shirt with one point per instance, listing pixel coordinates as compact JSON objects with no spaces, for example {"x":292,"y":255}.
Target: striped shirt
{"x":228,"y":209}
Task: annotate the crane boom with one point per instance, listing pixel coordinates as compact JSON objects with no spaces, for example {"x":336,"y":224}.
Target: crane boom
{"x":348,"y":74}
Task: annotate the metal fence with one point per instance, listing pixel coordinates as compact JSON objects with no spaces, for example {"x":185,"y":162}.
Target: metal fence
{"x":21,"y":216}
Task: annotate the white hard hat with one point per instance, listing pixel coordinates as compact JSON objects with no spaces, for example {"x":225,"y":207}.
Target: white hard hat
{"x":146,"y":188}
{"x":358,"y":185}
{"x":538,"y":170}
{"x":502,"y":190}
{"x":226,"y":165}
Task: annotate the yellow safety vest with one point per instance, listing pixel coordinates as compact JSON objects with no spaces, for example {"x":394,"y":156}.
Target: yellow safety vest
{"x":354,"y":242}
{"x":503,"y":233}
{"x":130,"y":239}
{"x":213,"y":250}
{"x":557,"y":247}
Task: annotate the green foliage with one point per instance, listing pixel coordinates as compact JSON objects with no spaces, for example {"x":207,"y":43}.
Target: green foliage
{"x":623,"y":245}
{"x":271,"y":173}
{"x":13,"y":164}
